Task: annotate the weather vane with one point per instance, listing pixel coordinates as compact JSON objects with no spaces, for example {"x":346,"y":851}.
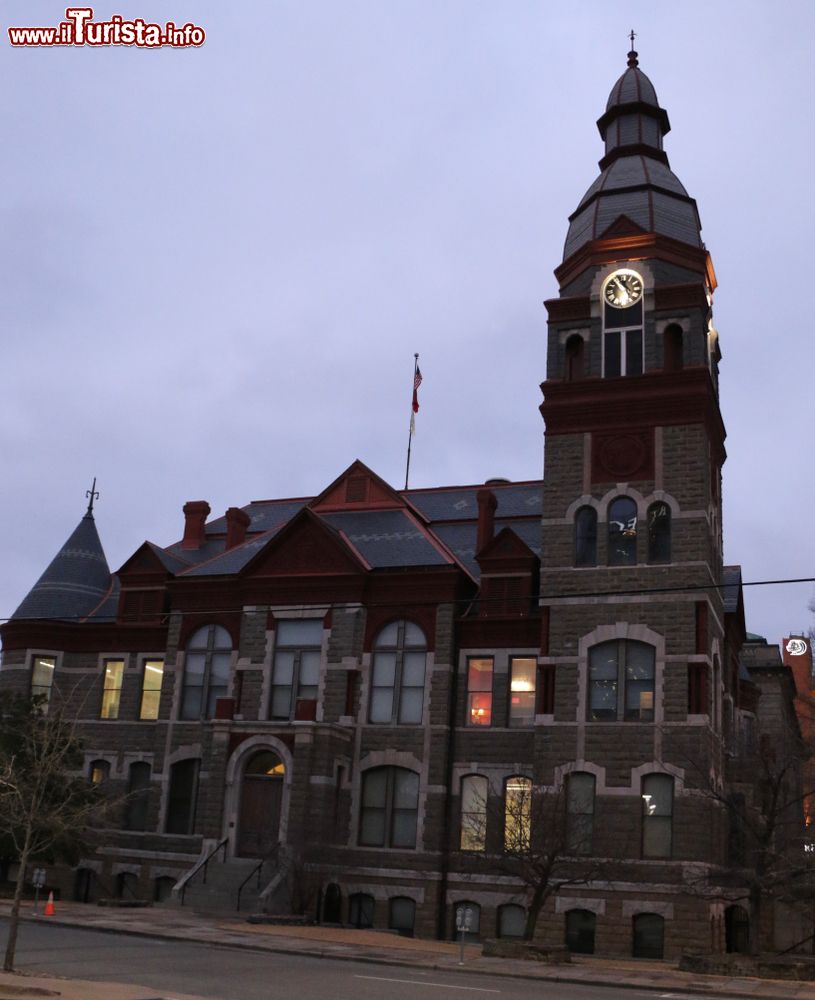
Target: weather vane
{"x":632,"y":36}
{"x":632,"y":55}
{"x":93,"y":493}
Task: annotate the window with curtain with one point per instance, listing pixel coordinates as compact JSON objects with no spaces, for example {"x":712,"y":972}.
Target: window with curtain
{"x":474,"y":790}
{"x":517,"y":814}
{"x":479,"y":691}
{"x":522,"y":675}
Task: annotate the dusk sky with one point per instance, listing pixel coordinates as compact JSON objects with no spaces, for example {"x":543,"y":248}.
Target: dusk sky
{"x":217,"y":263}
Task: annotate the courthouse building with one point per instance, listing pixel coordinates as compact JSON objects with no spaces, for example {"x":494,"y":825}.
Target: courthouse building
{"x":361,"y":689}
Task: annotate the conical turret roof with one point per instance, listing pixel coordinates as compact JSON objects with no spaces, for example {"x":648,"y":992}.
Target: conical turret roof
{"x":635,"y":178}
{"x":76,"y":580}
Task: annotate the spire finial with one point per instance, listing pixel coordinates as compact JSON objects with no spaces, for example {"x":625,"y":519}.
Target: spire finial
{"x":633,"y":62}
{"x":93,"y":494}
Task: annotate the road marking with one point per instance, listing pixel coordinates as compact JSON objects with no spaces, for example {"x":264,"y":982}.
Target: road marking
{"x":418,"y":982}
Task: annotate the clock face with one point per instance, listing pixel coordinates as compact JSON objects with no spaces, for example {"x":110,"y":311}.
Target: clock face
{"x":623,"y":289}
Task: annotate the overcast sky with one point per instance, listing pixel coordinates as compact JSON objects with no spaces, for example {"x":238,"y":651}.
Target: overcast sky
{"x":217,"y":263}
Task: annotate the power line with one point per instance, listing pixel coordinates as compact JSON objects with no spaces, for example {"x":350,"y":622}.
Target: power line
{"x":455,"y":602}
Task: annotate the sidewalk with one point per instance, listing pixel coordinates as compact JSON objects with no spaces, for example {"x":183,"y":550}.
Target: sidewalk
{"x":364,"y":946}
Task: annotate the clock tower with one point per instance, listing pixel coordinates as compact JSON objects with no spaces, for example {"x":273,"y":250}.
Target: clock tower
{"x":643,"y":688}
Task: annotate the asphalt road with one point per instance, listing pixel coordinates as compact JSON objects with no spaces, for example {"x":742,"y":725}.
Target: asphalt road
{"x":235,"y":974}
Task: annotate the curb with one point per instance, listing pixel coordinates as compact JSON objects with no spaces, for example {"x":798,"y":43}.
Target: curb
{"x":714,"y":989}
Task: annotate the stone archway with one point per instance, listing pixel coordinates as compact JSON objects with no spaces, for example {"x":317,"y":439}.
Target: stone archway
{"x":261,"y":801}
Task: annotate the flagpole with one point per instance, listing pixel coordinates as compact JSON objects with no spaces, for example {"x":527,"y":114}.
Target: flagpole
{"x":412,"y":417}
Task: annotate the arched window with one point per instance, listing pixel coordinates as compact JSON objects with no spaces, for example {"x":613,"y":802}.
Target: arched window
{"x":659,"y":532}
{"x":402,"y":915}
{"x":361,"y":910}
{"x":657,"y":815}
{"x":517,"y":814}
{"x":575,"y":358}
{"x":648,"y":936}
{"x":182,"y":796}
{"x":672,"y":348}
{"x":622,"y":532}
{"x":466,"y":917}
{"x":138,"y":796}
{"x":580,"y":926}
{"x":296,"y":669}
{"x":206,"y":671}
{"x":473,"y":813}
{"x":98,"y":771}
{"x":580,"y":812}
{"x":585,"y":537}
{"x":621,"y":681}
{"x":390,"y":807}
{"x":398,"y":674}
{"x":511,"y":921}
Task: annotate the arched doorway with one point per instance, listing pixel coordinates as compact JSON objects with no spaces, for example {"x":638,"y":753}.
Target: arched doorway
{"x":261,"y":798}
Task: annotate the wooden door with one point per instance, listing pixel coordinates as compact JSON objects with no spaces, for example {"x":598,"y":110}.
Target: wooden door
{"x":259,"y":821}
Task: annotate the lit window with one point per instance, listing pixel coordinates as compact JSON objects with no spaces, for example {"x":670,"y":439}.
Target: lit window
{"x":622,"y":532}
{"x":390,"y":807}
{"x":517,"y":814}
{"x":98,"y":771}
{"x":398,"y":674}
{"x":522,"y":670}
{"x":659,"y":532}
{"x":296,"y":672}
{"x":474,"y":813}
{"x":657,"y":815}
{"x":42,"y":678}
{"x":479,"y":691}
{"x":206,"y":671}
{"x":580,"y":812}
{"x":112,"y":689}
{"x":585,"y":537}
{"x":151,"y":689}
{"x":621,"y":681}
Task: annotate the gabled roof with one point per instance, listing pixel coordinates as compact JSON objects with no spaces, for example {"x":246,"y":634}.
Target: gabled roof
{"x":76,"y":580}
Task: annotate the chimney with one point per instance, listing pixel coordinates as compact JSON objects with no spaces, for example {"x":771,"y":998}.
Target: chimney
{"x":196,"y":513}
{"x":237,"y":521}
{"x":486,"y":518}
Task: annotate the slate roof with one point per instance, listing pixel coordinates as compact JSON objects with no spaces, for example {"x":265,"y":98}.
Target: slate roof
{"x":731,"y":578}
{"x":74,"y":583}
{"x":383,"y":538}
{"x":635,"y":179}
{"x":387,"y":538}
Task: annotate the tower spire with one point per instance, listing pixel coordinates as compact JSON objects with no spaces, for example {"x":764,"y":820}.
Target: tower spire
{"x":633,"y":62}
{"x":93,"y":494}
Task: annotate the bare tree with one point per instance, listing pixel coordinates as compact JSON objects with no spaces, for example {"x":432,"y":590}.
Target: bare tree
{"x":546,"y":846}
{"x":767,"y":855}
{"x":45,"y":806}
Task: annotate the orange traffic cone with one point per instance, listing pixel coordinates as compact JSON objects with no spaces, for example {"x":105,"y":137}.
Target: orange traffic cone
{"x":49,"y":906}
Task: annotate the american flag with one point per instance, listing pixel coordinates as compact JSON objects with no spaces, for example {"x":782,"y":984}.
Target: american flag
{"x":417,"y":381}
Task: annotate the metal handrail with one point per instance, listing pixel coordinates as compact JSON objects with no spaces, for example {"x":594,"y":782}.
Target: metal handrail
{"x":257,"y":870}
{"x":221,"y":846}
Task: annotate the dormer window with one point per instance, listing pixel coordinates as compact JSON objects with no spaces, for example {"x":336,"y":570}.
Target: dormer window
{"x":622,"y":324}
